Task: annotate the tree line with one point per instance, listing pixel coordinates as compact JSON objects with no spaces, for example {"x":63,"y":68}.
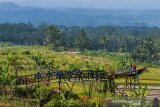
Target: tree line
{"x":141,"y":41}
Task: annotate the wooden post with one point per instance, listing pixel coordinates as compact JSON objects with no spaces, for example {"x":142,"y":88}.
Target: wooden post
{"x":155,"y":102}
{"x":26,"y":80}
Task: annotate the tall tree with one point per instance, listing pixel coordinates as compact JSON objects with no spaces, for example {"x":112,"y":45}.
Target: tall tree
{"x":103,"y":40}
{"x":53,"y":36}
{"x":146,"y":50}
{"x":82,"y":41}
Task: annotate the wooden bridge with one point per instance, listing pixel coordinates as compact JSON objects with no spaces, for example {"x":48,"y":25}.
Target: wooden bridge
{"x":90,"y":76}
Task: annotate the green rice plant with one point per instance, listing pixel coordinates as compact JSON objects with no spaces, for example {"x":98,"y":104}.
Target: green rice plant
{"x":139,"y":94}
{"x":74,"y":66}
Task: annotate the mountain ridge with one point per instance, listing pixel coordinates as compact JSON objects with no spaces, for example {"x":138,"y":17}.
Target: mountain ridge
{"x":13,"y":13}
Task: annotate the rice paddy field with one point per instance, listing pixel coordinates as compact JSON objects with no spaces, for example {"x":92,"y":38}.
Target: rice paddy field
{"x":69,"y":60}
{"x":63,"y":60}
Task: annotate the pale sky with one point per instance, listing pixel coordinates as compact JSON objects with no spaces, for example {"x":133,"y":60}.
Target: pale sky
{"x":102,"y":4}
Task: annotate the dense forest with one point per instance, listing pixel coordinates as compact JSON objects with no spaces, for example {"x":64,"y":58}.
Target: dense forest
{"x":138,"y":40}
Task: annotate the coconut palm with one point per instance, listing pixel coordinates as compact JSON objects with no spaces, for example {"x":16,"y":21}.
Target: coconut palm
{"x":103,"y":40}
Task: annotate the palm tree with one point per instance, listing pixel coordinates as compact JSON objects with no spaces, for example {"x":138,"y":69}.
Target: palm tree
{"x":82,"y":41}
{"x":103,"y":40}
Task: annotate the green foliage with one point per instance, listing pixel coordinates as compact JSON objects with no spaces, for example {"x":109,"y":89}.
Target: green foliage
{"x":147,"y":50}
{"x":4,"y":75}
{"x":103,"y":40}
{"x":62,"y":101}
{"x":68,"y":103}
{"x":82,"y":41}
{"x":11,"y":59}
{"x":98,"y":53}
{"x":41,"y":92}
{"x":119,"y":61}
{"x":139,"y":94}
{"x":100,"y":68}
{"x":70,"y":95}
{"x":74,"y":66}
{"x":5,"y":79}
{"x":21,"y":34}
{"x":13,"y":62}
{"x":44,"y":63}
{"x":50,"y":64}
{"x":63,"y":59}
{"x":27,"y":52}
{"x":143,"y":42}
{"x":25,"y":92}
{"x":124,"y":62}
{"x":53,"y":37}
{"x":121,"y":39}
{"x":38,"y":59}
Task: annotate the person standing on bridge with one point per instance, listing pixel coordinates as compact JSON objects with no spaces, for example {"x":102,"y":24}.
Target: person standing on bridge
{"x":132,"y":68}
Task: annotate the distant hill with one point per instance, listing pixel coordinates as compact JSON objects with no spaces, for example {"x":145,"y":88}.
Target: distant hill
{"x":13,"y":13}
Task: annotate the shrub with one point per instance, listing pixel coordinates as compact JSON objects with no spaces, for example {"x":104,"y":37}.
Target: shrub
{"x":70,"y":95}
{"x":25,"y":92}
{"x":14,"y":53}
{"x":26,"y":52}
{"x":69,"y":103}
{"x":4,"y":53}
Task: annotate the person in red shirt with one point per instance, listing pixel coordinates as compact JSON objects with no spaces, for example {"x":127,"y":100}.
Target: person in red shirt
{"x":133,"y":67}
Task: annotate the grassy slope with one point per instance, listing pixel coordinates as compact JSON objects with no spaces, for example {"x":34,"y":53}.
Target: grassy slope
{"x":150,"y":77}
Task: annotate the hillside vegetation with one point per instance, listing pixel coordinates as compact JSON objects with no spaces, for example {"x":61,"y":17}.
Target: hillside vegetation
{"x":110,"y":62}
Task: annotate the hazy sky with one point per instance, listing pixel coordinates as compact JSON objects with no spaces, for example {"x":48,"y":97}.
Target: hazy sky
{"x":104,"y":4}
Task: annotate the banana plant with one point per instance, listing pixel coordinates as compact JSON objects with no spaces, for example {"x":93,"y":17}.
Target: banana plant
{"x":13,"y":62}
{"x":50,"y":64}
{"x":5,"y":78}
{"x":40,"y":61}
